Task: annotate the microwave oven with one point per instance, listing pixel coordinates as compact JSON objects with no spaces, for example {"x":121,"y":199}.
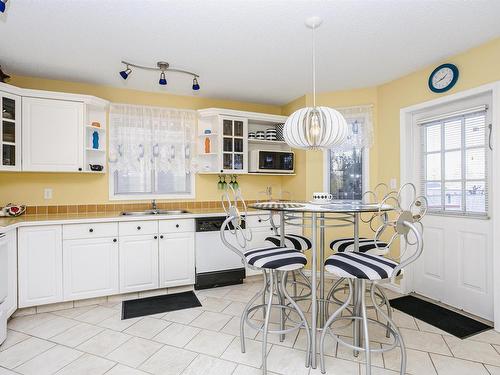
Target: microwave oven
{"x":267,"y":161}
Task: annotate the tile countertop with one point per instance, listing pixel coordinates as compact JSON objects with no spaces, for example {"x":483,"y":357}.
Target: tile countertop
{"x":7,"y":223}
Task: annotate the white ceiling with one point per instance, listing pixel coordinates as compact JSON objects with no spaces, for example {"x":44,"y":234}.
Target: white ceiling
{"x":247,"y":50}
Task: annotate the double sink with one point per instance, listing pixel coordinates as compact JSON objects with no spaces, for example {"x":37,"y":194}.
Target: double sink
{"x":154,"y":212}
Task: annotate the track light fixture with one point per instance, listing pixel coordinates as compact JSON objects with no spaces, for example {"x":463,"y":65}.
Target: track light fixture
{"x":161,"y":66}
{"x":2,"y":5}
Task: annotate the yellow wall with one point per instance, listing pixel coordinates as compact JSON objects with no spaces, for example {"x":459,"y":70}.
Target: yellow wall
{"x":73,"y":188}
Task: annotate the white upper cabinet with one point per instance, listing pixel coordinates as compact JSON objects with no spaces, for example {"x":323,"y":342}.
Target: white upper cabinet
{"x":52,"y":135}
{"x":10,"y":132}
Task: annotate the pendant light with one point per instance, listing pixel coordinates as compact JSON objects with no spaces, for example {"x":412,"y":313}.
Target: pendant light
{"x":314,"y":128}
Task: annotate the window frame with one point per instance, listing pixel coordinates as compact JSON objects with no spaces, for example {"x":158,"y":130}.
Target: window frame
{"x":366,"y":112}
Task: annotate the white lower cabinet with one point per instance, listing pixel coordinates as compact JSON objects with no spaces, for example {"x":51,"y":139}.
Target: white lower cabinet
{"x":176,"y":255}
{"x":40,"y":265}
{"x":11,"y":301}
{"x":90,"y":268}
{"x":138,"y":262}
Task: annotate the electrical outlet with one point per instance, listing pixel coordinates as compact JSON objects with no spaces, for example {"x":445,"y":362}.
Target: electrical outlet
{"x":47,"y":193}
{"x":393,"y":183}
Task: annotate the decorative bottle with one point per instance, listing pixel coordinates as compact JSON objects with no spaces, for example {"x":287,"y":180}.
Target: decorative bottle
{"x":207,"y":145}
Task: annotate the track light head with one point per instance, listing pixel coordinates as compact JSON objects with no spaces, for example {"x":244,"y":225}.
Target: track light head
{"x":2,"y":5}
{"x":125,"y":73}
{"x":163,"y":80}
{"x":196,"y":85}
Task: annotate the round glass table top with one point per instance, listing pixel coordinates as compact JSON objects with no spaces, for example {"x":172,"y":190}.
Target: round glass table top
{"x":328,"y":207}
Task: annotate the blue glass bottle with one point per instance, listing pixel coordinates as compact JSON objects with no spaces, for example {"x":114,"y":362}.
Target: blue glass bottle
{"x":95,"y":140}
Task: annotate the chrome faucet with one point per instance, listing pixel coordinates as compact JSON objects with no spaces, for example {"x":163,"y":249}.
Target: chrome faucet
{"x":153,"y":205}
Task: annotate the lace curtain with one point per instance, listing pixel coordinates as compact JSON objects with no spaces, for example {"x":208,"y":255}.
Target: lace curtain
{"x":151,"y":149}
{"x":360,"y":123}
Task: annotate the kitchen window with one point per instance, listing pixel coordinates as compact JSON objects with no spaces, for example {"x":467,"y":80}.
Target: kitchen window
{"x":150,"y":153}
{"x":455,"y":151}
{"x":346,"y":176}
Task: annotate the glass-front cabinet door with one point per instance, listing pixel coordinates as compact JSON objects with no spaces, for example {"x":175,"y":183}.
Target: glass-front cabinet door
{"x":10,"y":132}
{"x":234,"y":145}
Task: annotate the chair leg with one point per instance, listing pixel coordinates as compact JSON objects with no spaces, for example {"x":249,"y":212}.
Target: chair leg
{"x":389,"y":310}
{"x":281,"y":300}
{"x":245,"y":312}
{"x":264,"y":294}
{"x":327,"y":325}
{"x":266,"y":324}
{"x":365,"y":329}
{"x":302,"y":317}
{"x":294,"y":279}
{"x":395,"y":328}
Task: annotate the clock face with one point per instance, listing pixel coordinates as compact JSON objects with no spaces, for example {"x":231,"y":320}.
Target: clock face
{"x":443,"y":78}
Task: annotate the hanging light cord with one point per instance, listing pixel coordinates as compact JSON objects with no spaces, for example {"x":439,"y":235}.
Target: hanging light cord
{"x":314,"y":66}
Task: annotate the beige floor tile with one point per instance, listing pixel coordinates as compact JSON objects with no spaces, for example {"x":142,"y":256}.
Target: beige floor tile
{"x":493,"y":370}
{"x":233,"y":328}
{"x":205,"y":365}
{"x":234,"y":309}
{"x":214,"y":304}
{"x":104,"y":343}
{"x":168,"y":361}
{"x":26,"y":323}
{"x":87,"y":364}
{"x":287,"y":361}
{"x":403,"y":320}
{"x":417,"y":362}
{"x":96,"y":315}
{"x":377,"y":371}
{"x":210,"y":342}
{"x":52,"y":327}
{"x":134,"y":351}
{"x":247,"y":370}
{"x":50,"y":361}
{"x":345,"y":353}
{"x":177,"y":335}
{"x":116,"y":323}
{"x":214,"y":292}
{"x":251,"y":357}
{"x":77,"y":335}
{"x":12,"y":339}
{"x":454,"y":366}
{"x":24,"y":351}
{"x":473,"y":350}
{"x":240,"y":295}
{"x":426,"y":341}
{"x":337,"y":366}
{"x":273,"y":338}
{"x":185,"y":316}
{"x":211,"y":320}
{"x":147,"y":328}
{"x":330,"y":344}
{"x":491,"y":337}
{"x":4,"y":371}
{"x":124,"y":370}
{"x":74,"y":312}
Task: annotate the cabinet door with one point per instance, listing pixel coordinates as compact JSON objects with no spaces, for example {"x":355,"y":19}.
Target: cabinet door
{"x":176,"y":259}
{"x":40,"y":265}
{"x":138,"y":263}
{"x":234,"y":144}
{"x":90,"y":268}
{"x":52,"y":135}
{"x":10,"y":132}
{"x":11,"y":301}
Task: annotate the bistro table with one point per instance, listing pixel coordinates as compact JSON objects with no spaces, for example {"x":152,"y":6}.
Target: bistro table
{"x":319,"y":215}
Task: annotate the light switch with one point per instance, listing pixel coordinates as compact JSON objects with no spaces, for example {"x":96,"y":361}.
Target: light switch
{"x":47,"y":193}
{"x":393,"y":183}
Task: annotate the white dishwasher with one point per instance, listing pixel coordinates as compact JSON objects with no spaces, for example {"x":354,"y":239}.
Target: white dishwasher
{"x":4,"y":284}
{"x":216,"y":265}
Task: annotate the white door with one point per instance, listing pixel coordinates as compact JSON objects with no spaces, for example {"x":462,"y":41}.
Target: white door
{"x":176,"y":259}
{"x":52,"y":135}
{"x":90,"y":268}
{"x":456,"y":265}
{"x":40,"y":265}
{"x":138,"y":263}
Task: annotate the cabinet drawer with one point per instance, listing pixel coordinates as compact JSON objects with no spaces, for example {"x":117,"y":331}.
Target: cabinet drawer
{"x":176,"y":225}
{"x":255,"y":221}
{"x":132,"y":228}
{"x":91,"y":230}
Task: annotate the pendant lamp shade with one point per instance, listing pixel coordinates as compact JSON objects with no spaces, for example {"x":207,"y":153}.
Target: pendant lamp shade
{"x":315,"y":128}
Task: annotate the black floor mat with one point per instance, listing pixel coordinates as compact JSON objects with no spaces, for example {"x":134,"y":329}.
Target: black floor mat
{"x":158,"y":304}
{"x":449,"y":321}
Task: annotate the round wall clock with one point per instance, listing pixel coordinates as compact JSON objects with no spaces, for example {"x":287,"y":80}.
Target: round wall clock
{"x":443,"y":78}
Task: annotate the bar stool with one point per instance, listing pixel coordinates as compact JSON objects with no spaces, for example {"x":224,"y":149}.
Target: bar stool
{"x":359,"y":269}
{"x":275,"y":262}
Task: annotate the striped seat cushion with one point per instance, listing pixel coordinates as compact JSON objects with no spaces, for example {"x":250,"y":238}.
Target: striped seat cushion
{"x":276,"y":258}
{"x":360,"y":266}
{"x":341,"y":245}
{"x":293,"y":241}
